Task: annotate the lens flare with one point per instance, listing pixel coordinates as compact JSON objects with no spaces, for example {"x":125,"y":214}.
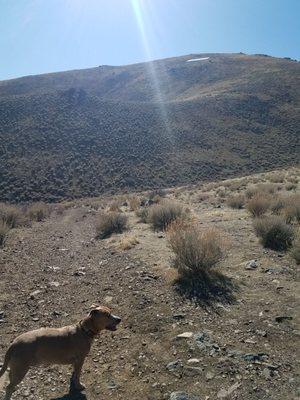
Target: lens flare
{"x":140,"y":13}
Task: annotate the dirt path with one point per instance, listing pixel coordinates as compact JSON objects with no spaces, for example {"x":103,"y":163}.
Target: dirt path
{"x":52,"y":273}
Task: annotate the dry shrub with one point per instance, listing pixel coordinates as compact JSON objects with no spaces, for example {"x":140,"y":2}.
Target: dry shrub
{"x":237,"y":201}
{"x":134,"y":202}
{"x":274,"y":232}
{"x":38,"y":211}
{"x":291,"y":186}
{"x":291,"y":209}
{"x":4,"y":228}
{"x":258,"y":205}
{"x":161,"y":215}
{"x":261,"y":189}
{"x":142,"y":214}
{"x":203,"y":196}
{"x":11,"y":215}
{"x":276,"y":178}
{"x":196,"y":250}
{"x":295,"y":250}
{"x":128,"y":242}
{"x":114,"y":206}
{"x":109,"y":223}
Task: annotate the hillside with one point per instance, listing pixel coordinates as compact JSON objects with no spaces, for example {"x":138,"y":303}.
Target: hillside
{"x":112,"y":129}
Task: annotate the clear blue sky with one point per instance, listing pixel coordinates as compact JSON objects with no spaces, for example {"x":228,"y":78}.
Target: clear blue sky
{"x":38,"y":36}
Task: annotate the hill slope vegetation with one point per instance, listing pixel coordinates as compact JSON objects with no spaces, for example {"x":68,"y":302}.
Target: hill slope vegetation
{"x":111,"y":129}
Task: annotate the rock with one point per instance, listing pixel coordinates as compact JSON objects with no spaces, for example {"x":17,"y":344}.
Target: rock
{"x":193,"y":361}
{"x":266,"y":372}
{"x":54,"y":284}
{"x":183,"y":396}
{"x":184,"y":335}
{"x":192,"y":371}
{"x":204,"y":342}
{"x":261,"y":333}
{"x":178,"y":316}
{"x":79,"y":273}
{"x":175,"y":367}
{"x":34,"y":294}
{"x":282,"y":318}
{"x":253,"y":264}
{"x":223,"y":394}
{"x":255,"y":357}
{"x":209,"y":376}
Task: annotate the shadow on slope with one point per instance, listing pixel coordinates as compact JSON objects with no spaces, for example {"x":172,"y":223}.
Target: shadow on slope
{"x":72,"y":396}
{"x":213,"y":288}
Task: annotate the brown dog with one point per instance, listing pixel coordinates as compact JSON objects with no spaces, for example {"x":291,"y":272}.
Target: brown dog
{"x":46,"y":346}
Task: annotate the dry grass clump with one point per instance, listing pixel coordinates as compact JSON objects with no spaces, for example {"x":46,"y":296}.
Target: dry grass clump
{"x":258,"y":205}
{"x":128,"y":242}
{"x":109,"y":223}
{"x":114,"y":206}
{"x":291,"y":186}
{"x":261,"y":188}
{"x":196,"y":250}
{"x":4,"y":228}
{"x":11,"y":215}
{"x":134,"y":203}
{"x":203,"y":196}
{"x":277,"y":177}
{"x":38,"y":211}
{"x":142,"y":214}
{"x":291,"y":209}
{"x":274,"y":232}
{"x":237,"y":201}
{"x":162,"y":214}
{"x":295,"y":250}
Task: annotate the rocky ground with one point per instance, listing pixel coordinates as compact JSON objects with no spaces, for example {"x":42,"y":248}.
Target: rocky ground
{"x":239,"y":342}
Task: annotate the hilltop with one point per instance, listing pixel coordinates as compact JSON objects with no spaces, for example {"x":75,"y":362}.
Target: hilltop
{"x":170,"y":122}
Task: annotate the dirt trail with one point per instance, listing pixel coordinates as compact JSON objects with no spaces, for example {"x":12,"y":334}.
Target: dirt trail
{"x":52,"y":272}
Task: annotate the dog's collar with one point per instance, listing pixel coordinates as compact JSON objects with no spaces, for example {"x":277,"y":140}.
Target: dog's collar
{"x":90,"y":333}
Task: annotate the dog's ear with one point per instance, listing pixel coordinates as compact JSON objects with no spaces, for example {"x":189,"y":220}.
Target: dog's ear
{"x":93,"y":312}
{"x":92,"y":306}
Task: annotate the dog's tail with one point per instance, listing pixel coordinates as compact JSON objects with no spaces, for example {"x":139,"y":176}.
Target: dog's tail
{"x":4,"y":368}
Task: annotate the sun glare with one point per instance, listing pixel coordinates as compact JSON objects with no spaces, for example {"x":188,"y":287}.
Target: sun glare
{"x":141,"y":12}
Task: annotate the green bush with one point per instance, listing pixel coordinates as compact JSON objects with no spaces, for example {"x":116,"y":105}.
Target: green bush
{"x":274,"y":232}
{"x":109,"y":223}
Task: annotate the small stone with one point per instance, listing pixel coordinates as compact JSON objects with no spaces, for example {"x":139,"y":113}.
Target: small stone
{"x":266,"y":373}
{"x":209,"y":376}
{"x":192,"y":371}
{"x":223,"y":394}
{"x":253,"y":264}
{"x":193,"y":361}
{"x":175,"y":367}
{"x":34,"y":294}
{"x":184,"y":335}
{"x":182,"y":396}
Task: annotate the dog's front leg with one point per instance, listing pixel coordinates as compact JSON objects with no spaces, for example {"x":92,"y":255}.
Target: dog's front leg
{"x":75,"y":379}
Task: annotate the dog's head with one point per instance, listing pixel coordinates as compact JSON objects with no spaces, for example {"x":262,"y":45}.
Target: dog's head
{"x":102,"y":318}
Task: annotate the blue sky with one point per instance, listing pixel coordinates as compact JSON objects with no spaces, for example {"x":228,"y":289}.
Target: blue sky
{"x":38,"y":36}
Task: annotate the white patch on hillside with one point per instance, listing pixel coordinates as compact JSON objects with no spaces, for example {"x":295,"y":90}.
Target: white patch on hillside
{"x":198,"y":59}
